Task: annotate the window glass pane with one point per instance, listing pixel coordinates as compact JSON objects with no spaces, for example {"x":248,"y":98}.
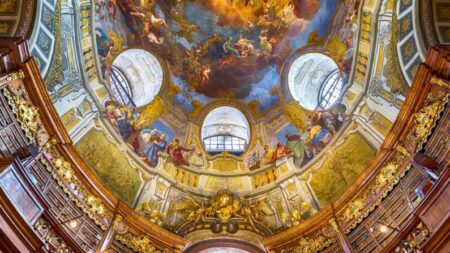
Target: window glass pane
{"x":331,"y":90}
{"x":224,"y":143}
{"x":120,"y":88}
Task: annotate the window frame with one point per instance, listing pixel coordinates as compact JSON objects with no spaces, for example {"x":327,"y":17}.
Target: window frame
{"x":120,"y":87}
{"x":224,"y":143}
{"x":325,"y":96}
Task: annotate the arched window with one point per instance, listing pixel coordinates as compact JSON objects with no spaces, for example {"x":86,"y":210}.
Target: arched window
{"x":225,"y":129}
{"x":120,"y":88}
{"x":136,"y":77}
{"x":330,"y":91}
{"x":314,"y":81}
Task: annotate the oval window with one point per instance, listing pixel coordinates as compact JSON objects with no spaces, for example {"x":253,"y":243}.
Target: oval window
{"x":136,"y":77}
{"x":315,"y":81}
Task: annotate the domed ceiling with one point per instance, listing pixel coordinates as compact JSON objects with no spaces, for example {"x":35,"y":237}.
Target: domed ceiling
{"x":279,"y":104}
{"x":222,"y":49}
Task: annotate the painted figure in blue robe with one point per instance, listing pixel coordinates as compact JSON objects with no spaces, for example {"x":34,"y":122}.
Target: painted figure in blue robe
{"x":124,"y":123}
{"x":155,"y":145}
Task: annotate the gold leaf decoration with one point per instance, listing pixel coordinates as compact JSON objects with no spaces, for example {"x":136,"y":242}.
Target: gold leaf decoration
{"x":426,"y":118}
{"x":26,"y":114}
{"x":138,"y":243}
{"x":313,"y":245}
{"x":354,"y":209}
{"x":386,"y":175}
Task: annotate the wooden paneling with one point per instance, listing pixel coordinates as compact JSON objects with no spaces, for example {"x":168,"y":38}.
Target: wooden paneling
{"x":18,"y":194}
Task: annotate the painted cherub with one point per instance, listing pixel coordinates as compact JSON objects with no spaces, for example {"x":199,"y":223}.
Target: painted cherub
{"x":206,"y":70}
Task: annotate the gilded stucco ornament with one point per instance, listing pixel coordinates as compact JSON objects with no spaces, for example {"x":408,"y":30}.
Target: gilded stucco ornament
{"x":64,"y":168}
{"x":386,"y":175}
{"x":313,"y":245}
{"x":334,"y":224}
{"x":440,"y":82}
{"x":11,"y":77}
{"x":426,"y":118}
{"x":295,"y":216}
{"x":402,"y":151}
{"x":355,"y":209}
{"x":26,"y":114}
{"x":116,"y":222}
{"x":138,"y":243}
{"x":152,"y":212}
{"x":77,"y":192}
{"x":291,"y":219}
{"x":224,"y":206}
{"x":96,"y":205}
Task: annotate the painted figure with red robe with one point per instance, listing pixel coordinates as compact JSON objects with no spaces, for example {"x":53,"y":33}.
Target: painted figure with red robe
{"x":175,"y":151}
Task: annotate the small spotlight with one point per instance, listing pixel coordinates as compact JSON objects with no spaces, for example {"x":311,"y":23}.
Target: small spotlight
{"x":384,"y":229}
{"x":73,"y":224}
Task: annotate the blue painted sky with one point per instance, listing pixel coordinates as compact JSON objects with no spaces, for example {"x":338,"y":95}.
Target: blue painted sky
{"x":185,"y":97}
{"x":261,"y":90}
{"x":163,"y":129}
{"x":320,"y":23}
{"x":289,"y":129}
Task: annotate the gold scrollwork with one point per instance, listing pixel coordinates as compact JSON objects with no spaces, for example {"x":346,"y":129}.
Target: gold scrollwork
{"x":117,"y":221}
{"x":225,"y":206}
{"x":426,"y":118}
{"x":11,"y":77}
{"x":334,"y":224}
{"x":138,"y":243}
{"x":386,"y":175}
{"x":440,"y":82}
{"x":152,"y":211}
{"x":313,"y":245}
{"x":26,"y":114}
{"x":402,"y":151}
{"x":63,"y":168}
{"x":354,"y":209}
{"x":89,"y":204}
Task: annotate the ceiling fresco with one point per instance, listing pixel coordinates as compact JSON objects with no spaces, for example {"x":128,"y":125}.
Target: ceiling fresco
{"x":246,"y":51}
{"x":220,"y":49}
{"x":202,"y":74}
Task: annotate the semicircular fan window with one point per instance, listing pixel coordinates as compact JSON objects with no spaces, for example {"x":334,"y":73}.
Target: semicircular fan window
{"x":225,"y":129}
